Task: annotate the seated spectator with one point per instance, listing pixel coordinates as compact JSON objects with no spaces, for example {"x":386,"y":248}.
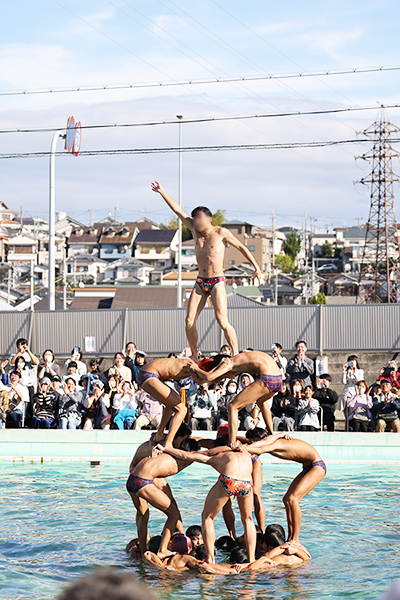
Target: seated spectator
{"x":386,"y":408}
{"x":125,"y":402}
{"x":284,"y":410}
{"x":225,"y":349}
{"x":112,"y":387}
{"x":76,"y":356}
{"x":280,"y":360}
{"x":119,"y":368}
{"x":45,"y":405}
{"x":130,"y":354}
{"x":56,"y":384}
{"x":327,"y":399}
{"x":308,"y":409}
{"x":300,"y":366}
{"x":3,"y":408}
{"x":296,"y":391}
{"x":18,"y":398}
{"x":390,"y":373}
{"x":229,"y":393}
{"x":150,"y":411}
{"x":139,"y":362}
{"x":30,"y":362}
{"x":96,"y":404}
{"x":48,"y":368}
{"x":70,"y":406}
{"x":95,"y":371}
{"x":359,"y":408}
{"x":351,"y":374}
{"x":202,"y":402}
{"x":72,"y":372}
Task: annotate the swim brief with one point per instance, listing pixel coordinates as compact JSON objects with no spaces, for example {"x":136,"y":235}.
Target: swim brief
{"x":254,"y":458}
{"x":316,"y":463}
{"x":135,"y":483}
{"x":273,"y":382}
{"x":235,"y":487}
{"x":143,"y":376}
{"x":207,"y":283}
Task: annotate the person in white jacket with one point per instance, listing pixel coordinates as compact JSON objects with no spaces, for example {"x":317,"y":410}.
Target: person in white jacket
{"x":308,"y":409}
{"x":350,"y":376}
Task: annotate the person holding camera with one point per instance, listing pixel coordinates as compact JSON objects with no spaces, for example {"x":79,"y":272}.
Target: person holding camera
{"x":202,"y":402}
{"x":390,"y":373}
{"x":352,"y":373}
{"x":327,"y":399}
{"x":280,"y":360}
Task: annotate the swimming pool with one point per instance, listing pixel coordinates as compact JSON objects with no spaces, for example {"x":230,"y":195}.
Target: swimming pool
{"x":58,"y":521}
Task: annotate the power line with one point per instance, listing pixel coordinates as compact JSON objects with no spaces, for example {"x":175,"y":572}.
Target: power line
{"x":216,"y":148}
{"x":294,"y":113}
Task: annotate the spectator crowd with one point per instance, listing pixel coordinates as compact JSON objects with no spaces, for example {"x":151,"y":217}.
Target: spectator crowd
{"x":35,"y":393}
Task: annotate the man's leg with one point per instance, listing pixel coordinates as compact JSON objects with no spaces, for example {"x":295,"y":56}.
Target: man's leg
{"x":142,"y":519}
{"x":215,"y":501}
{"x":380,"y":425}
{"x":141,"y":421}
{"x":396,"y":426}
{"x":250,"y":536}
{"x":300,"y":487}
{"x":163,"y":485}
{"x":172,"y":403}
{"x":194,"y":424}
{"x":247,"y":396}
{"x":259,"y":508}
{"x":265,"y":409}
{"x":229,"y":517}
{"x":218,"y":298}
{"x":196,"y":303}
{"x":159,"y":499}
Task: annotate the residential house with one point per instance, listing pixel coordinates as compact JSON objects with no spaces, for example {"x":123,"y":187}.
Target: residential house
{"x":85,"y":267}
{"x":22,"y":249}
{"x":157,"y":247}
{"x":127,"y":270}
{"x":117,"y":242}
{"x":85,"y":240}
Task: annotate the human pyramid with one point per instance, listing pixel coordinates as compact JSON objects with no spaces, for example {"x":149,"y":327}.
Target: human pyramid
{"x":235,"y":459}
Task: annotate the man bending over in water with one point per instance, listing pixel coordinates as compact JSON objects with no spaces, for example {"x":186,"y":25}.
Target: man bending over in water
{"x":267,"y":381}
{"x":235,"y":468}
{"x":144,"y":487}
{"x":151,"y":379}
{"x":313,"y":472}
{"x":210,"y":242}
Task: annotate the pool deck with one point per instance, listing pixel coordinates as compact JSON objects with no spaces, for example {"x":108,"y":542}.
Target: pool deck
{"x":28,"y":445}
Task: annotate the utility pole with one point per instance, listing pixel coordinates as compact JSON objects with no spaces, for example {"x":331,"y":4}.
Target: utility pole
{"x":116,"y":211}
{"x":52,"y":220}
{"x":179,"y":303}
{"x":379,"y":279}
{"x":91,"y":221}
{"x":65,"y":274}
{"x":273,"y":259}
{"x":31,"y":288}
{"x":9,"y":284}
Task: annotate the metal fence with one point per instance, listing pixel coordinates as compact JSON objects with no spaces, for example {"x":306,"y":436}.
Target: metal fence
{"x":158,"y":331}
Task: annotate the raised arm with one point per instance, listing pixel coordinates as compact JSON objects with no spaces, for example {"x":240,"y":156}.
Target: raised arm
{"x":230,"y":239}
{"x":267,"y":445}
{"x":221,"y":371}
{"x":178,"y":210}
{"x":182,"y":455}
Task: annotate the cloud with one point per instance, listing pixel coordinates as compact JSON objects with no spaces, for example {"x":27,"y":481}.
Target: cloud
{"x":332,"y":43}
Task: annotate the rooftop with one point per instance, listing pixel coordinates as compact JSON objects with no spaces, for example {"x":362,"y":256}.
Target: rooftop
{"x":155,"y":236}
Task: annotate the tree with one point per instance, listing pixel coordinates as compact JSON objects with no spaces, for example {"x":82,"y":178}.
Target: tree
{"x":285,"y":263}
{"x":327,"y":250}
{"x":318,"y":299}
{"x":217,"y":219}
{"x":292,"y":245}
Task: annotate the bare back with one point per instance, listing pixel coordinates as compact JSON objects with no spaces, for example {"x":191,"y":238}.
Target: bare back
{"x":233,"y":464}
{"x":143,"y":451}
{"x":170,"y":368}
{"x":253,"y":362}
{"x":159,"y":466}
{"x":210,"y":252}
{"x":295,"y":450}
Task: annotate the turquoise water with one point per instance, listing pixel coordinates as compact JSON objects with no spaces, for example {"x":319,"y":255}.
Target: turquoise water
{"x":59,"y":521}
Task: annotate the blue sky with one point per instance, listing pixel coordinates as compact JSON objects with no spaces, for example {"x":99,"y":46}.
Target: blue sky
{"x":44,"y":45}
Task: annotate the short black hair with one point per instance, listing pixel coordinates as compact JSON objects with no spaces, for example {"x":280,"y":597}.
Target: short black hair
{"x":172,"y":355}
{"x":189,"y":445}
{"x":183,"y":431}
{"x":325,"y":376}
{"x":15,"y":373}
{"x":222,"y":440}
{"x":127,"y":344}
{"x":200,"y":552}
{"x":94,"y":361}
{"x":21,"y":342}
{"x":72,"y":363}
{"x":239,"y":555}
{"x":193,"y":531}
{"x":225,"y":542}
{"x":203,"y":209}
{"x":275,"y":527}
{"x":300,"y":342}
{"x":256,"y":434}
{"x":278,"y":345}
{"x":273,"y":539}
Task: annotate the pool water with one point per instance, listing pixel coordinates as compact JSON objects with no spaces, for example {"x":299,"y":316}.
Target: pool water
{"x":58,"y":521}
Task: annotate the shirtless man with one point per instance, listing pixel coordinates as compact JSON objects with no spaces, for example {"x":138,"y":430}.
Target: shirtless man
{"x":235,"y":479}
{"x":151,"y":379}
{"x":267,"y":381}
{"x":210,"y":242}
{"x":145,"y":486}
{"x":313,"y":472}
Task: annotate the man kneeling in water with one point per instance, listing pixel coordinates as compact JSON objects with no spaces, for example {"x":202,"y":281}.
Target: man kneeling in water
{"x":235,"y":468}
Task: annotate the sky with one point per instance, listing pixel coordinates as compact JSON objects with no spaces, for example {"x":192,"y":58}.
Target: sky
{"x":69,"y":43}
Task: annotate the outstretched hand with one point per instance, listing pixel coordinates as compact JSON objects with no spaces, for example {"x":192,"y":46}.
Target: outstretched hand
{"x":159,"y":449}
{"x":285,"y":436}
{"x":156,"y":186}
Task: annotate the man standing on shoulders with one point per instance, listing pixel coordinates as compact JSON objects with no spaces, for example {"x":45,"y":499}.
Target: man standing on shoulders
{"x":210,"y":243}
{"x":300,"y":366}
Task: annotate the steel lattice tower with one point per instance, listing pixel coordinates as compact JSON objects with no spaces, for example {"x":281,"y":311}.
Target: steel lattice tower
{"x":379,"y":279}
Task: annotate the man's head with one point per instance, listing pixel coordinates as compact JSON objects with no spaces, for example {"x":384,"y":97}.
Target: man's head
{"x":183,"y":432}
{"x":189,"y":445}
{"x":202,"y":218}
{"x":71,"y":384}
{"x":276,"y":349}
{"x":325,"y":380}
{"x":15,"y":376}
{"x":225,"y":349}
{"x":94,"y":364}
{"x":301,"y":347}
{"x":386,"y":386}
{"x":256,"y":434}
{"x":308,"y":392}
{"x":194,"y":533}
{"x":56,"y":382}
{"x":181,"y":544}
{"x":22,"y":344}
{"x":130,"y":349}
{"x":239,"y":556}
{"x":245,"y":380}
{"x":272,"y":539}
{"x":72,"y":367}
{"x":225,"y":542}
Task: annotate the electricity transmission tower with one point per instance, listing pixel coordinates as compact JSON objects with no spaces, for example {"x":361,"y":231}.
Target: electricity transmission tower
{"x":379,"y":279}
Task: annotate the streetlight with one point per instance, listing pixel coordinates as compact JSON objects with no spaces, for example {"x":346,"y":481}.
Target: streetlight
{"x":52,"y":221}
{"x":180,"y":117}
